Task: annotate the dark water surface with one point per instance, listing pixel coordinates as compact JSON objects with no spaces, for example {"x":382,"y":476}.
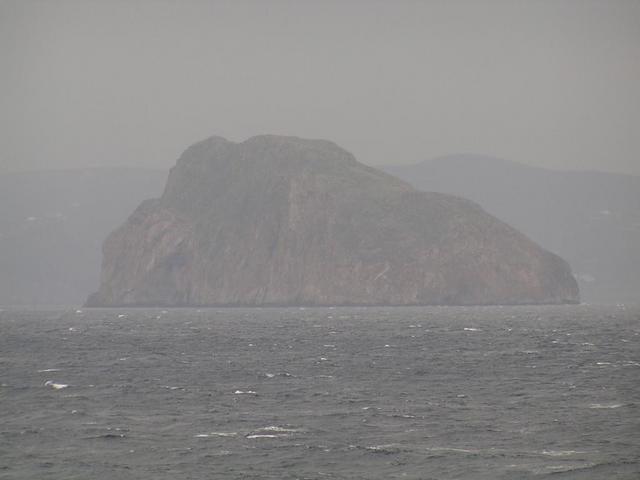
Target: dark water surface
{"x":350,"y":393}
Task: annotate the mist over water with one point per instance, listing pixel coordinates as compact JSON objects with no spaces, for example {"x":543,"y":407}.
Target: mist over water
{"x":99,"y":99}
{"x":345,"y":393}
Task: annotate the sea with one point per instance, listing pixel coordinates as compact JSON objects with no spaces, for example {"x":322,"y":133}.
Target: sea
{"x":528,"y":392}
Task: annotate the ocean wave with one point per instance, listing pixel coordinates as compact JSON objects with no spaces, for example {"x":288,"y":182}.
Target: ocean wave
{"x":605,"y":405}
{"x":55,"y":386}
{"x":216,"y":434}
{"x":273,"y":431}
{"x":387,"y":449}
{"x":560,"y":453}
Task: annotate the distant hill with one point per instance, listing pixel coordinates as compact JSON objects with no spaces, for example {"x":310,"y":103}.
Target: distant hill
{"x":53,"y":223}
{"x":591,"y":219}
{"x":288,"y":221}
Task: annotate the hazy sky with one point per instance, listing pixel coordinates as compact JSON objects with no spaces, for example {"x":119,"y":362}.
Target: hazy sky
{"x":549,"y":83}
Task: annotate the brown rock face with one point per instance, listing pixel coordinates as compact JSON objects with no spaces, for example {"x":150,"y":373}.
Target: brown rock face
{"x":286,"y":221}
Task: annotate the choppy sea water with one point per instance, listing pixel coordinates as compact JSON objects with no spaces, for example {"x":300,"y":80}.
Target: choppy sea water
{"x":321,"y":393}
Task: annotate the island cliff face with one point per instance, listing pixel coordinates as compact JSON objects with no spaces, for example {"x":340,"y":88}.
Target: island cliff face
{"x":286,"y":221}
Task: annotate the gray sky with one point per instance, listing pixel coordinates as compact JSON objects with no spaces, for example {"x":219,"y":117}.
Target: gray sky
{"x":549,"y":83}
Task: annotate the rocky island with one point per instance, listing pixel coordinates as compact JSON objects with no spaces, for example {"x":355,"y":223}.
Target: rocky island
{"x":287,"y":221}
